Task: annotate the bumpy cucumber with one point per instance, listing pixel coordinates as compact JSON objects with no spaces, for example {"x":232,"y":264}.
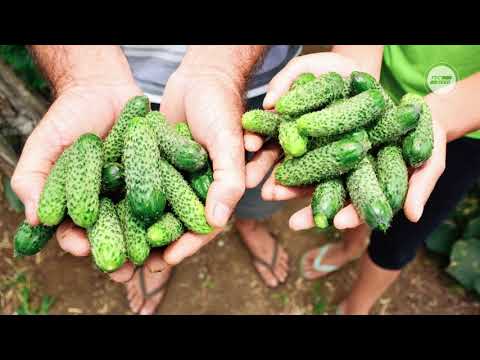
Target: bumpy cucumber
{"x":362,"y":81}
{"x":113,"y":144}
{"x":29,"y":240}
{"x":185,"y":154}
{"x":134,"y":233}
{"x":328,"y":161}
{"x":201,"y":180}
{"x":327,"y":200}
{"x":145,"y":195}
{"x":113,"y":178}
{"x":345,"y":116}
{"x":302,"y":79}
{"x":392,"y":175}
{"x":183,"y":129}
{"x":166,"y":230}
{"x":261,"y":122}
{"x":185,"y":204}
{"x":418,"y":145}
{"x":53,"y":200}
{"x":106,"y":239}
{"x":84,"y":180}
{"x":293,"y":143}
{"x":312,"y":95}
{"x":367,"y":195}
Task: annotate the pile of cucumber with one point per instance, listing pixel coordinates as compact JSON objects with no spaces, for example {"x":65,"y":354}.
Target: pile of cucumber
{"x":141,"y":187}
{"x":348,"y":137}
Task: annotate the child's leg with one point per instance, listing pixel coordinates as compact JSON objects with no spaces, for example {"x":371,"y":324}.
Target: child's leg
{"x":389,"y":253}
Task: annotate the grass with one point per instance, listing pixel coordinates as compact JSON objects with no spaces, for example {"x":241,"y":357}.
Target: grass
{"x":319,"y":300}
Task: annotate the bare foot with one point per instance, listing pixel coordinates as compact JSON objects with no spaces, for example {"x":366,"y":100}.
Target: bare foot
{"x":344,"y":308}
{"x":313,"y":265}
{"x":145,"y":300}
{"x":261,"y":245}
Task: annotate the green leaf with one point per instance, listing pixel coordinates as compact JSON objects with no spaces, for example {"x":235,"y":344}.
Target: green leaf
{"x":465,"y":262}
{"x":442,"y":239}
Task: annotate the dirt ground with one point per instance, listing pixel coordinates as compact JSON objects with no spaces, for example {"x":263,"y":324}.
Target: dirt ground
{"x":219,"y":280}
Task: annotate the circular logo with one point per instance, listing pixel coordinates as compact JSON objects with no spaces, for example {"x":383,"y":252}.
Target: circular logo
{"x":441,"y":79}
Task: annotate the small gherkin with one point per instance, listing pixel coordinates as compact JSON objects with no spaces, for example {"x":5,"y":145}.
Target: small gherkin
{"x":84,"y":180}
{"x":261,"y":122}
{"x":183,"y":200}
{"x":312,"y":95}
{"x":362,"y":81}
{"x":166,"y":230}
{"x":134,"y":233}
{"x":52,"y":206}
{"x":327,"y":200}
{"x":302,"y":79}
{"x":29,"y":240}
{"x":113,"y":144}
{"x":367,"y":195}
{"x":293,"y":143}
{"x":106,"y":239}
{"x":183,"y":129}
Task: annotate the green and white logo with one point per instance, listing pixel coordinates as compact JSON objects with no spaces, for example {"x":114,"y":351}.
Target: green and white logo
{"x":441,"y":79}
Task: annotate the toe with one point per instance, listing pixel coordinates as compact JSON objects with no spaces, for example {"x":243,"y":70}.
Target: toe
{"x":151,"y":304}
{"x":266,"y":275}
{"x":136,"y":303}
{"x":281,"y":273}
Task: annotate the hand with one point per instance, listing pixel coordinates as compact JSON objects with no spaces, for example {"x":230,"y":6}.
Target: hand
{"x":70,"y":116}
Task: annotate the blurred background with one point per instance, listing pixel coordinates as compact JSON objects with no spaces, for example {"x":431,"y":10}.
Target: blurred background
{"x":220,"y":279}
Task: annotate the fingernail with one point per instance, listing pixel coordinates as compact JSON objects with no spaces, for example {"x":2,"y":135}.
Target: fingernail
{"x":221,"y":214}
{"x":268,"y":99}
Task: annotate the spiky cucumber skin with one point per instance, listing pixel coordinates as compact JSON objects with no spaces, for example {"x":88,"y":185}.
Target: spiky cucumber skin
{"x":293,"y":143}
{"x":106,"y":239}
{"x":367,"y":195}
{"x":326,"y":162}
{"x":29,"y":240}
{"x":392,"y":175}
{"x":418,"y":145}
{"x":184,"y":153}
{"x":183,"y":129}
{"x":355,"y":112}
{"x":396,"y":122}
{"x":311,"y":96}
{"x":201,"y":180}
{"x":261,"y":122}
{"x":302,"y":79}
{"x":53,"y":200}
{"x":183,"y":200}
{"x":84,"y":180}
{"x":327,"y":200}
{"x":166,"y":230}
{"x":362,"y":81}
{"x":113,"y":144}
{"x":134,"y":233}
{"x":113,"y":178}
{"x":145,"y":194}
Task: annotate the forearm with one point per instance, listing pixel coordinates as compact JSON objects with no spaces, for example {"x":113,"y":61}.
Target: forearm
{"x":68,"y":65}
{"x":459,"y":110}
{"x":235,"y":61}
{"x":368,"y":57}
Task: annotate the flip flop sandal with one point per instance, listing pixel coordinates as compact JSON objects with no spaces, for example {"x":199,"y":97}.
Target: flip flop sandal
{"x":339,"y":310}
{"x":317,"y":262}
{"x":270,"y":266}
{"x":147,"y":295}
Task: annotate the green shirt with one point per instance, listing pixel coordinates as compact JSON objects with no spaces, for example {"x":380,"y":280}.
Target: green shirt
{"x":405,"y":67}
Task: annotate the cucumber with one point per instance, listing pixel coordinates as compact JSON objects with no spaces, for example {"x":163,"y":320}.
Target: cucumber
{"x":327,"y":201}
{"x":84,"y":180}
{"x":113,"y":178}
{"x":261,"y":122}
{"x":392,"y":175}
{"x":145,"y":194}
{"x":326,"y":162}
{"x":166,"y":230}
{"x":201,"y":180}
{"x":353,"y":113}
{"x":362,"y":81}
{"x":293,"y":143}
{"x":29,"y":240}
{"x":367,"y":195}
{"x":302,"y":79}
{"x":183,"y":129}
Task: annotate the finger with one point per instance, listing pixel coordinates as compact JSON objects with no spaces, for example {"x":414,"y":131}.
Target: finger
{"x":302,"y":219}
{"x":263,"y":161}
{"x":123,"y":274}
{"x":316,"y":64}
{"x":73,"y":239}
{"x":347,"y":218}
{"x":272,"y":191}
{"x":423,"y":180}
{"x":172,"y":104}
{"x":253,"y":142}
{"x":186,"y":246}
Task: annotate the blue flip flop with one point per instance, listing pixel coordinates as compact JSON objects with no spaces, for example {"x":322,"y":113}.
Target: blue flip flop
{"x":317,"y":263}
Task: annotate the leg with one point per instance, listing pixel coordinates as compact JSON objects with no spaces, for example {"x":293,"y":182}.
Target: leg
{"x":389,"y":253}
{"x":319,"y":262}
